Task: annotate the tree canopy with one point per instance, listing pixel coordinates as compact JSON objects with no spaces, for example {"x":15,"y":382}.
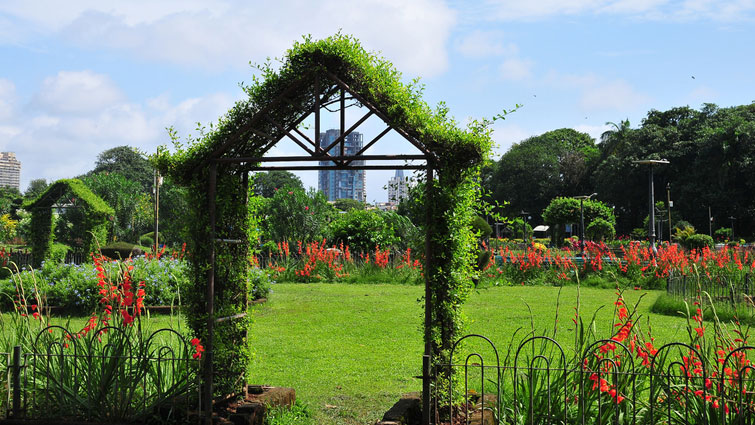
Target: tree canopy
{"x":540,"y":168}
{"x":265,"y":184}
{"x":127,"y":162}
{"x":712,"y":161}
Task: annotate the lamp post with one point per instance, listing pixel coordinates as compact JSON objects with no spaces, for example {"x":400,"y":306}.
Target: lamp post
{"x":582,"y":222}
{"x":732,"y":218}
{"x":525,"y":215}
{"x":669,"y":204}
{"x":710,"y":223}
{"x":651,"y":199}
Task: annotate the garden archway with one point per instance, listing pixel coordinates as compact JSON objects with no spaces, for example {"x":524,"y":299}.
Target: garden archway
{"x":313,"y":76}
{"x":96,"y":217}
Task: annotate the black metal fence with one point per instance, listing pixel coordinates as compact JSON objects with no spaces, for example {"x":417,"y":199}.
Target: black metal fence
{"x":23,"y":258}
{"x":5,"y":386}
{"x":72,"y":378}
{"x":538,"y":383}
{"x":734,"y":289}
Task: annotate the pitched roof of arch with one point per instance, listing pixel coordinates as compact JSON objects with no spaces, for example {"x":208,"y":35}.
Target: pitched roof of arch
{"x":311,"y":74}
{"x":76,"y":188}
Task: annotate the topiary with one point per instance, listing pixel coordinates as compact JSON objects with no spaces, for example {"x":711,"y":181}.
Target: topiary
{"x":58,"y":253}
{"x":119,"y":250}
{"x":146,"y":241}
{"x":482,"y":227}
{"x":600,"y":229}
{"x":698,"y":241}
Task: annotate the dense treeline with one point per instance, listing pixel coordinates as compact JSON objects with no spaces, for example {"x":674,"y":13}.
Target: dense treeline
{"x":712,"y":163}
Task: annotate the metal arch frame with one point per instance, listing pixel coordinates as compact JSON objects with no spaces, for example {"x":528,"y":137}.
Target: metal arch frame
{"x":324,"y":161}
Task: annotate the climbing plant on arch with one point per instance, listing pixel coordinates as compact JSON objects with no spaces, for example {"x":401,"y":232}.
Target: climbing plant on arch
{"x":96,"y":216}
{"x":215,"y":165}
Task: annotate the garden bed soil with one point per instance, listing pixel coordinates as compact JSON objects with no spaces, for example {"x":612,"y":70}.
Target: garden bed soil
{"x":408,"y":411}
{"x":252,"y":409}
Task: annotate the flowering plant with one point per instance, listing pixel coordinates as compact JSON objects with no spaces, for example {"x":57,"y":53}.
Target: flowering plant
{"x":117,"y":367}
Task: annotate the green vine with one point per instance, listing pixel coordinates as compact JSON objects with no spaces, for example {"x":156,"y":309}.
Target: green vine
{"x":96,"y":216}
{"x":457,"y":154}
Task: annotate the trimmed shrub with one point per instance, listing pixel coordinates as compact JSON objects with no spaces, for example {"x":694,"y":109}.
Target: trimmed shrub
{"x":120,"y":250}
{"x":58,"y":253}
{"x":480,"y":225}
{"x":600,"y":230}
{"x":362,"y":230}
{"x":146,"y":241}
{"x":697,"y":241}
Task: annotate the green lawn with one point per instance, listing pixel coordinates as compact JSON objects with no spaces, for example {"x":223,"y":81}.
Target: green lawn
{"x":350,"y":351}
{"x":150,"y":323}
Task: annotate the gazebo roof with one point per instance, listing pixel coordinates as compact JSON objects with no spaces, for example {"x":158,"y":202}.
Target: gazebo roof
{"x":313,"y":74}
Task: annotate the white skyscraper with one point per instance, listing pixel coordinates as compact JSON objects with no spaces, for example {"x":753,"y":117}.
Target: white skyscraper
{"x":398,"y":188}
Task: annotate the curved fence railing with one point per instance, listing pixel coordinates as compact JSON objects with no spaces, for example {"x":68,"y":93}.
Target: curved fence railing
{"x":106,"y":376}
{"x":608,"y":383}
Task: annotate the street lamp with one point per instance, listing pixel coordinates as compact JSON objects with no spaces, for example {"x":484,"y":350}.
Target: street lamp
{"x":525,"y":215}
{"x":651,"y":198}
{"x":732,"y":218}
{"x":582,"y":222}
{"x":669,"y":204}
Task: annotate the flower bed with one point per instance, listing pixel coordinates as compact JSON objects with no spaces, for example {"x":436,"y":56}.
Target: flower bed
{"x":117,"y":368}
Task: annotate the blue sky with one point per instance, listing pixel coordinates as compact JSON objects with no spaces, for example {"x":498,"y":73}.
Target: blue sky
{"x":84,"y":76}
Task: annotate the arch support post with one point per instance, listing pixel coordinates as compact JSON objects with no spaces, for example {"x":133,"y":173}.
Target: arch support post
{"x":427,"y":357}
{"x":209,"y":351}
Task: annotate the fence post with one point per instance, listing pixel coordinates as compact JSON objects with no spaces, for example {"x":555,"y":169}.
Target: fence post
{"x":426,"y":389}
{"x":16,"y":381}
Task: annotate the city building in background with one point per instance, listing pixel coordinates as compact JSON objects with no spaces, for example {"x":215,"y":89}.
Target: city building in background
{"x":398,"y":188}
{"x":10,"y":170}
{"x":342,"y":184}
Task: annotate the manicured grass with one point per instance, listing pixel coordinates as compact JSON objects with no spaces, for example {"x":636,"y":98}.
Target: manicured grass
{"x":150,"y":323}
{"x":350,"y":351}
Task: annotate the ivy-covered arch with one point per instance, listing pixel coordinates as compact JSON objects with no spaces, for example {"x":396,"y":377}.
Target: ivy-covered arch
{"x":216,"y":165}
{"x":96,"y":216}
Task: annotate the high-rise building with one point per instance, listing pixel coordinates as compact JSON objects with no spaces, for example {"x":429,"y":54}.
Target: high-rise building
{"x":10,"y":170}
{"x":342,"y":184}
{"x":398,"y":188}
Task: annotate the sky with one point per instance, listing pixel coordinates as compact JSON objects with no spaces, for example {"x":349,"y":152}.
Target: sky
{"x":84,"y":76}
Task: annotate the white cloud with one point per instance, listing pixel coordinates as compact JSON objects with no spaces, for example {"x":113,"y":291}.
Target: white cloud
{"x":716,"y":10}
{"x":505,"y":135}
{"x":480,"y":44}
{"x":7,"y":98}
{"x":595,"y":131}
{"x":702,"y":94}
{"x":598,"y":93}
{"x":77,"y":92}
{"x":75,"y":115}
{"x":617,"y":95}
{"x":228,"y":34}
{"x":516,"y":69}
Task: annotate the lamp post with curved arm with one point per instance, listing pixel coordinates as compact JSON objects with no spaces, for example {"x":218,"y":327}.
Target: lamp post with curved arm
{"x":582,"y":222}
{"x":651,"y":199}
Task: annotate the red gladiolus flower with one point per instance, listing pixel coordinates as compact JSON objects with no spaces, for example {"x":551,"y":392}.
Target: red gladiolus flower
{"x":199,"y":349}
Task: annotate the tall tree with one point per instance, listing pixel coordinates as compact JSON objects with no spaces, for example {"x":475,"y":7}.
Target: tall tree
{"x":127,"y":162}
{"x":133,"y":214}
{"x":265,"y":184}
{"x":36,"y":188}
{"x":712,"y":161}
{"x":540,"y":168}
